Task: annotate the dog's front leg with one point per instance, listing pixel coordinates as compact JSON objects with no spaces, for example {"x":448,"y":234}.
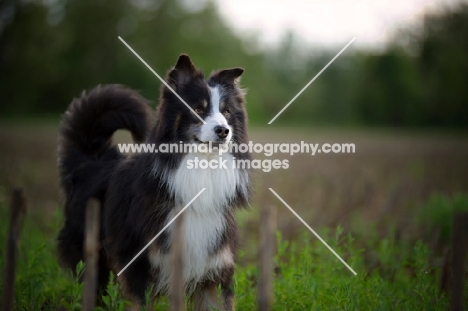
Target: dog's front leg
{"x":205,"y":297}
{"x":227,"y":293}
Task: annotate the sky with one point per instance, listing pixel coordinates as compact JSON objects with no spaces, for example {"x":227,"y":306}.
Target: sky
{"x":329,"y":22}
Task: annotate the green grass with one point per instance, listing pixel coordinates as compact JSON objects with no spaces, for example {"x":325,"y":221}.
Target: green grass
{"x":392,"y":274}
{"x":438,"y":213}
{"x":309,"y":277}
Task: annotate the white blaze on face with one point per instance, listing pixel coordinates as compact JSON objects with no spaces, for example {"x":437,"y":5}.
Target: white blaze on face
{"x":215,"y":118}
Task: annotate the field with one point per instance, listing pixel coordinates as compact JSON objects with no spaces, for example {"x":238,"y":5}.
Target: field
{"x":386,"y":209}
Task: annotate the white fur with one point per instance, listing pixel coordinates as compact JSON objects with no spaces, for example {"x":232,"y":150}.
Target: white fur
{"x":215,"y":118}
{"x":220,"y":183}
{"x":204,"y":219}
{"x":215,"y":98}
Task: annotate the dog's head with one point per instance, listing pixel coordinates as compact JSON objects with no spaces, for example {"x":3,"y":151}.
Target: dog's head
{"x":218,"y":101}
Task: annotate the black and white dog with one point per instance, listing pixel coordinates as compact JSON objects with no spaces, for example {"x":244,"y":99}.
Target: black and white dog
{"x":140,"y":194}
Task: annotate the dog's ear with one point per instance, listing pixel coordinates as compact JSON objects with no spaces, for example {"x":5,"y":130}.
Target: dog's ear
{"x":228,"y":76}
{"x":183,"y":71}
{"x":184,"y":63}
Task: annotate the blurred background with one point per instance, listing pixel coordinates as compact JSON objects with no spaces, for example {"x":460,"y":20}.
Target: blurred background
{"x":407,"y":68}
{"x":399,"y":93}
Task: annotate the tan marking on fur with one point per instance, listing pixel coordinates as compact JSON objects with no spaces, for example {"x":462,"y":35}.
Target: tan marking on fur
{"x":223,"y":259}
{"x":205,"y":298}
{"x":177,"y":122}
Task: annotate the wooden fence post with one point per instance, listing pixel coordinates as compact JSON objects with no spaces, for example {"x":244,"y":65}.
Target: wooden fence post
{"x":267,"y":252}
{"x":17,"y":214}
{"x":91,"y":251}
{"x":459,"y":246}
{"x":177,"y":287}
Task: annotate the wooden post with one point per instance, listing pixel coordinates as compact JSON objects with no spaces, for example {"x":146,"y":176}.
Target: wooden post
{"x":460,"y":244}
{"x":91,"y":251}
{"x":267,"y":252}
{"x":445,"y":276}
{"x":177,"y":287}
{"x":17,"y":214}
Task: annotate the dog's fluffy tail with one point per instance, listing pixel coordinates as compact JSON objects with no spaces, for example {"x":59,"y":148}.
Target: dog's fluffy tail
{"x":86,"y":157}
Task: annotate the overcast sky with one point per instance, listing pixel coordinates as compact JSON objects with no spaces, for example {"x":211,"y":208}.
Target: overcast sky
{"x":326,"y":22}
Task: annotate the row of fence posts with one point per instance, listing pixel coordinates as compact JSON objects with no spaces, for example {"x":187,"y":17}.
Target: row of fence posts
{"x":268,"y":219}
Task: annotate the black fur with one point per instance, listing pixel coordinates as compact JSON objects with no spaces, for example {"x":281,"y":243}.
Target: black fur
{"x":86,"y":158}
{"x":135,"y":197}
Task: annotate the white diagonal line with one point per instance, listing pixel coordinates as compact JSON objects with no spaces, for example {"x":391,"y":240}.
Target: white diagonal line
{"x":162,"y":230}
{"x":310,"y":82}
{"x":162,"y":80}
{"x":312,"y":230}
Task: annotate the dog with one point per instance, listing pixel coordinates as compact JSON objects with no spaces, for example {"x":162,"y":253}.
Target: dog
{"x":141,"y":193}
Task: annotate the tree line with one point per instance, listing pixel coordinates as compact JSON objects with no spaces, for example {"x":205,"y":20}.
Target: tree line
{"x":51,"y":50}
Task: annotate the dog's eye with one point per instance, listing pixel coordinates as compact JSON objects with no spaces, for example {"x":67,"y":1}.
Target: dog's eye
{"x":226,"y":112}
{"x":198,"y":110}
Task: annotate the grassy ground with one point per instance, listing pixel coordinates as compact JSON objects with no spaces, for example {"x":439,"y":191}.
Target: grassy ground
{"x":386,"y":210}
{"x":393,"y":274}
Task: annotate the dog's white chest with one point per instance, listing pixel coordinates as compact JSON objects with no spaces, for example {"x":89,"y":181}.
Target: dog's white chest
{"x":204,"y":221}
{"x":220,"y":183}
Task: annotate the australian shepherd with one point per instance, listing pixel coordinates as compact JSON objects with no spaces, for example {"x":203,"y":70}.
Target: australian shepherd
{"x":140,"y":194}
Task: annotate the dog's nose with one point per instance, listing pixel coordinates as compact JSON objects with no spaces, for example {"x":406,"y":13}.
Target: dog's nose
{"x":221,"y":131}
